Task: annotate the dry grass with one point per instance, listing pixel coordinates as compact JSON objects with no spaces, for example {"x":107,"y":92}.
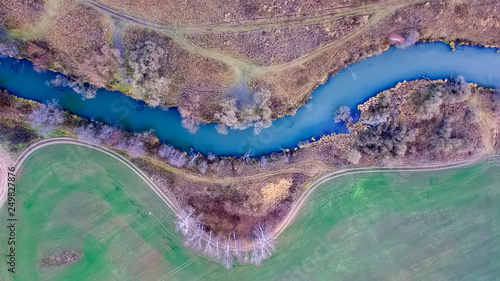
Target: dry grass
{"x":19,"y":15}
{"x":249,"y":194}
{"x":285,"y":49}
{"x":272,"y":46}
{"x":77,"y":32}
{"x":179,"y":12}
{"x":274,"y":191}
{"x":191,"y":74}
{"x":427,"y":143}
{"x":435,"y":20}
{"x":245,"y":193}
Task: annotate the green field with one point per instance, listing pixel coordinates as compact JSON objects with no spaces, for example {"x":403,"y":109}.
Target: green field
{"x":380,"y":226}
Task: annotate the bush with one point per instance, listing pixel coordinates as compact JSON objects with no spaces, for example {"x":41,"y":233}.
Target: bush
{"x":343,"y":114}
{"x":256,"y":113}
{"x":174,"y":156}
{"x":429,"y":103}
{"x":147,"y":78}
{"x":86,"y":91}
{"x":46,"y":117}
{"x":378,"y":111}
{"x":16,"y":134}
{"x":385,"y":139}
{"x":8,"y":50}
{"x":100,"y":66}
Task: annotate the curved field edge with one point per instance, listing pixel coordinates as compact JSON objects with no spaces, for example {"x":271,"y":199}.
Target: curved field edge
{"x":288,"y":219}
{"x":93,"y":202}
{"x":315,"y":263}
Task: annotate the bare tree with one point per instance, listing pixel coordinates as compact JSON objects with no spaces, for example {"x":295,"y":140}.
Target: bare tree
{"x":87,"y":134}
{"x":135,"y":146}
{"x":195,"y":239}
{"x":221,"y":129}
{"x":8,"y":50}
{"x":186,"y":220}
{"x":86,"y":91}
{"x":227,"y":258}
{"x":237,"y":248}
{"x":226,"y":252}
{"x":191,"y":124}
{"x":174,"y":156}
{"x":343,"y":114}
{"x":263,"y":161}
{"x":211,"y":247}
{"x":256,"y":113}
{"x":262,"y":245}
{"x":203,"y":166}
{"x":148,"y":79}
{"x":211,"y":157}
{"x":46,"y":117}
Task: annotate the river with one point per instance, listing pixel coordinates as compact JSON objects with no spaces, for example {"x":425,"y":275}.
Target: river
{"x":351,"y":86}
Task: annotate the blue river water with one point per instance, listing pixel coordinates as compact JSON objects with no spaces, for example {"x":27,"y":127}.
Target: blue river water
{"x":351,"y":86}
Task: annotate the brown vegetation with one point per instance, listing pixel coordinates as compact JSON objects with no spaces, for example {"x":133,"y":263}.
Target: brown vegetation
{"x":415,"y":123}
{"x":16,"y":14}
{"x":434,"y":122}
{"x":162,"y":72}
{"x":200,"y":51}
{"x":61,"y":257}
{"x":274,"y":46}
{"x":15,"y":133}
{"x":78,"y":37}
{"x":178,"y":12}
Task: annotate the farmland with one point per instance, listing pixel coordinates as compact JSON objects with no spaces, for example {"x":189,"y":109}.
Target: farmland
{"x":415,"y":225}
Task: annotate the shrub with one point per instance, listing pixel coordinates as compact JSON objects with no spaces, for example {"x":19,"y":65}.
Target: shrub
{"x":256,"y":113}
{"x":86,"y":91}
{"x":377,"y":111}
{"x":8,"y":50}
{"x":343,"y":114}
{"x":385,"y":139}
{"x":100,"y":66}
{"x":46,"y":117}
{"x":147,"y":78}
{"x":174,"y":157}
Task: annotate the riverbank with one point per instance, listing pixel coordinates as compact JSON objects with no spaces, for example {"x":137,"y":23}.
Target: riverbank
{"x":240,"y":247}
{"x":416,"y":123}
{"x":212,"y":64}
{"x":431,"y":60}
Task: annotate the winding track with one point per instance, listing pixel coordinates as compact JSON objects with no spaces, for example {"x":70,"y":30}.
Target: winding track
{"x":256,"y":24}
{"x":376,"y":12}
{"x":327,"y":177}
{"x":289,"y":217}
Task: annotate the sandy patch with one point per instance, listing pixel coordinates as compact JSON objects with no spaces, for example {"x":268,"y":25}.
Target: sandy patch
{"x":272,"y":192}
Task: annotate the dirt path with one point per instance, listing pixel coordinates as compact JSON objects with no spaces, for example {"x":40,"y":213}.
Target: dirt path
{"x":330,"y":176}
{"x":64,"y":140}
{"x":257,"y":24}
{"x":308,"y":168}
{"x":297,"y":205}
{"x":376,"y":11}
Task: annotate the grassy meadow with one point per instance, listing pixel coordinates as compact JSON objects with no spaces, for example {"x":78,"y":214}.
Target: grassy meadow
{"x":440,"y":225}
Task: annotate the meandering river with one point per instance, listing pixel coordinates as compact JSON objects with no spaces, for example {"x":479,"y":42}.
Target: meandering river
{"x":351,"y":86}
